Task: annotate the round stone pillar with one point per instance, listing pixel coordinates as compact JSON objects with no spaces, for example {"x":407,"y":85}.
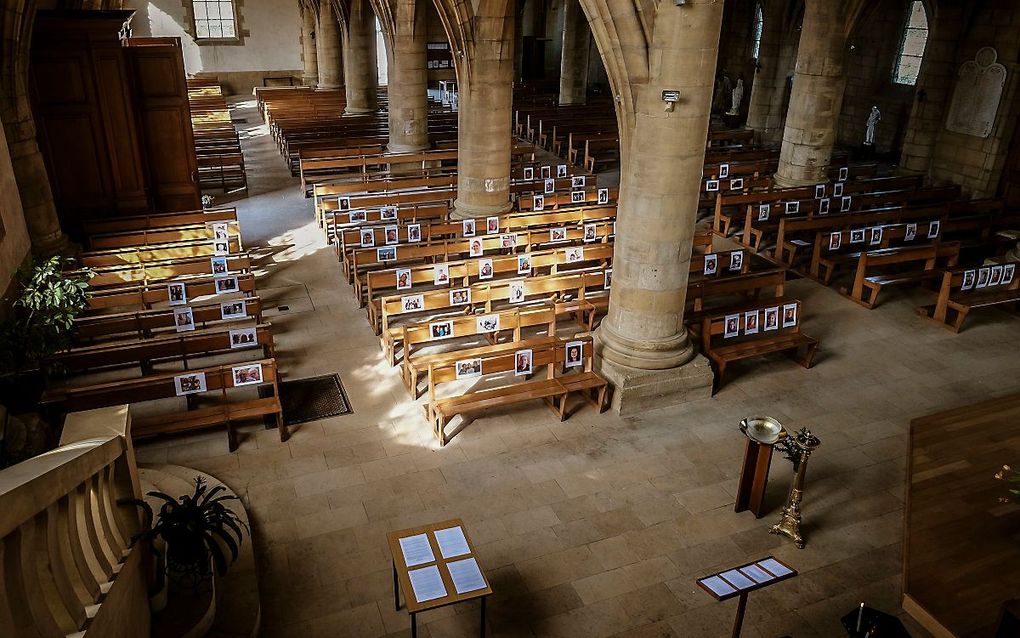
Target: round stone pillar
{"x":817,"y":96}
{"x":574,"y":57}
{"x":327,"y":44}
{"x":310,"y":76}
{"x":642,"y":343}
{"x":34,"y":188}
{"x":408,"y":81}
{"x":360,"y":63}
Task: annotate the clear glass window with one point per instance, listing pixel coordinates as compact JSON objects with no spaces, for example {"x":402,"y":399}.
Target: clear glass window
{"x":214,"y":20}
{"x":915,"y":38}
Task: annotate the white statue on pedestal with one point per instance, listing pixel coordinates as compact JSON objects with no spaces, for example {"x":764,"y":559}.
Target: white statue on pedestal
{"x":738,"y":97}
{"x":873,"y":120}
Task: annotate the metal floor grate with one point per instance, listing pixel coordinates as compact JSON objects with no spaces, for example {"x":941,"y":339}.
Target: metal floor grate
{"x":314,"y":398}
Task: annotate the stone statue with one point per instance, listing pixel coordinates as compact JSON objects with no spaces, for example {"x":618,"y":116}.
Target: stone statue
{"x":738,"y":98}
{"x":873,"y":120}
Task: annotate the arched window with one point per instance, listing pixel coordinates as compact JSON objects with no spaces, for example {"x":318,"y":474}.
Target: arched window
{"x":915,"y":37}
{"x":759,"y":25}
{"x":215,"y":20}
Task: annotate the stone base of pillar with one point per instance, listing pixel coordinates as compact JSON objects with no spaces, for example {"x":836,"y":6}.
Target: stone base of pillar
{"x":56,"y":244}
{"x":405,"y":148}
{"x":462,"y":210}
{"x":636,"y":391}
{"x":787,"y":182}
{"x":311,"y":81}
{"x":327,"y":85}
{"x":350,"y":110}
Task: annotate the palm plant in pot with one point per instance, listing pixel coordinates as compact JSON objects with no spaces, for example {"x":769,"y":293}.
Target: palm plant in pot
{"x":200,"y":532}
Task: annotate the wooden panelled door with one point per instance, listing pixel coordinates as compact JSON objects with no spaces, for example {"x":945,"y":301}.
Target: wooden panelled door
{"x":164,"y":120}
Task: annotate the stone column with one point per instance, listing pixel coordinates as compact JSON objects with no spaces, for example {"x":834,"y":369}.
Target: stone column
{"x":485,"y":85}
{"x":817,"y":96}
{"x":408,"y":79}
{"x":574,"y":59}
{"x":327,"y":44}
{"x":310,"y":77}
{"x":775,"y":59}
{"x":643,"y":345}
{"x":360,"y":65}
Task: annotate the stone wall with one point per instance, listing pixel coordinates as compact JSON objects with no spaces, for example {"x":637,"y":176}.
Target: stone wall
{"x":736,"y":44}
{"x":270,"y":45}
{"x":14,"y":243}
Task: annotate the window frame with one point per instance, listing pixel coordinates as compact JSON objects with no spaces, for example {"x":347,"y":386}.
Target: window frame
{"x":901,"y":54}
{"x":239,"y":32}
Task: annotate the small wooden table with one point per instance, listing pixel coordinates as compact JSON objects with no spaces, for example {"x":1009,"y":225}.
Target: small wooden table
{"x":448,"y":548}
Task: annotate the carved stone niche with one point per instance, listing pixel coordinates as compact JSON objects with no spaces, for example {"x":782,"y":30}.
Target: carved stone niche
{"x":979,"y":87}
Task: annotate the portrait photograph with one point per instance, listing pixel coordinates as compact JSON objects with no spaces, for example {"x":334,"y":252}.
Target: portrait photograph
{"x":441,"y":274}
{"x":969,"y":276}
{"x":227,"y":284}
{"x":732,"y":326}
{"x":574,"y":255}
{"x":485,"y":270}
{"x":591,"y":233}
{"x":176,"y":294}
{"x":516,"y":289}
{"x":343,"y":203}
{"x":561,"y":170}
{"x":577,"y":197}
{"x":524,"y":265}
{"x":234,"y":309}
{"x":819,"y":191}
{"x":792,"y":208}
{"x":933,"y":229}
{"x":910,"y":233}
{"x":460,"y":296}
{"x":468,"y":368}
{"x":603,"y":196}
{"x":763,"y":212}
{"x":577,"y":181}
{"x":607,"y":278}
{"x":546,"y":172}
{"x":790,"y":315}
{"x":412,"y":303}
{"x":367,"y":238}
{"x":538,"y":202}
{"x":857,"y":236}
{"x":995,"y":277}
{"x":772,"y":318}
{"x":737,"y":184}
{"x":845,"y":204}
{"x":557,"y":234}
{"x":711,"y":264}
{"x":403,"y":278}
{"x":357,"y":216}
{"x":392,"y":235}
{"x":549,"y":186}
{"x":982,"y":277}
{"x":876,"y":235}
{"x":221,"y":247}
{"x":492,"y":225}
{"x":736,"y":260}
{"x":1007,"y":274}
{"x":751,"y":322}
{"x":243,"y":338}
{"x":529,"y":173}
{"x":844,"y":173}
{"x":184,"y":320}
{"x":247,"y":374}
{"x":414,"y":233}
{"x":440,"y":329}
{"x":823,"y":206}
{"x":508,"y":241}
{"x":386,"y":254}
{"x":724,"y":171}
{"x":476,"y":248}
{"x":388,"y":213}
{"x":219,"y":230}
{"x":218,"y":266}
{"x":837,"y":189}
{"x":191,"y":383}
{"x":574,"y":354}
{"x":487,"y":323}
{"x":711,"y":186}
{"x":469,"y":227}
{"x":524,"y":360}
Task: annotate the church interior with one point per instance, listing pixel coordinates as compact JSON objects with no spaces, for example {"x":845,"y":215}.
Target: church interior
{"x":312,"y":323}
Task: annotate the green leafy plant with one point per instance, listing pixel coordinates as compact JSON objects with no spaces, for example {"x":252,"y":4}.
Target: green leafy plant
{"x":195,"y":527}
{"x":1012,"y":479}
{"x":41,"y":317}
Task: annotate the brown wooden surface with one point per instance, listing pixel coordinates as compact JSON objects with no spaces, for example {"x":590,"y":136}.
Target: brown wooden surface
{"x":393,"y":538}
{"x":961,"y":553}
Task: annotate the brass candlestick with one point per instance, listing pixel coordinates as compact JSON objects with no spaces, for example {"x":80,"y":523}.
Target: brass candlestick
{"x":801,"y":445}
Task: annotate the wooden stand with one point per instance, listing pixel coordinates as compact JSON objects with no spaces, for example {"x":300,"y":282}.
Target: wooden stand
{"x":754,"y":476}
{"x":741,"y":581}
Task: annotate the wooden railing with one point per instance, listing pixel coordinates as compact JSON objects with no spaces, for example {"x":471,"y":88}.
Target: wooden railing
{"x":67,"y":567}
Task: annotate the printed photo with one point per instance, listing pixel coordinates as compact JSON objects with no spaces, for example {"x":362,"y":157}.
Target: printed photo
{"x":876,"y":235}
{"x":1007,"y":274}
{"x":469,"y":368}
{"x":711,"y":264}
{"x":412,"y":303}
{"x":982,"y":277}
{"x":823,"y":206}
{"x":414,"y":233}
{"x":732,"y":326}
{"x":487,"y":323}
{"x":549,"y":186}
{"x":388,"y":213}
{"x":772,"y":318}
{"x":789,"y":315}
{"x":386,"y":254}
{"x":763,"y":212}
{"x":933,"y":229}
{"x":219,"y":230}
{"x":561,"y":170}
{"x":591,"y":233}
{"x":751,"y":322}
{"x":460,"y":296}
{"x":575,"y":354}
{"x":910,"y":233}
{"x":440,"y":329}
{"x":996,"y":276}
{"x":837,"y":189}
{"x":737,"y":184}
{"x":485,"y":269}
{"x":403,"y":278}
{"x":546,"y":172}
{"x":712,"y":186}
{"x":538,"y":202}
{"x":191,"y":383}
{"x":357,"y":216}
{"x":524,"y":360}
{"x":221,"y":247}
{"x":844,"y":173}
{"x":491,"y":225}
{"x":835,"y":240}
{"x":576,"y":182}
{"x":343,"y":203}
{"x":441,"y":274}
{"x":736,"y":260}
{"x":476,"y":248}
{"x":845,"y":203}
{"x":508,"y":241}
{"x":247,"y":374}
{"x":968,"y":279}
{"x":607,"y":279}
{"x":218,"y":266}
{"x":243,"y":338}
{"x":857,"y":236}
{"x":234,"y":309}
{"x":392,"y":235}
{"x":176,"y":294}
{"x":227,"y":284}
{"x":524,"y":265}
{"x":557,"y":234}
{"x":367,"y":238}
{"x":529,"y":173}
{"x":819,"y":191}
{"x":603,"y":196}
{"x":184,"y":320}
{"x":575,"y":255}
{"x":516,"y":289}
{"x":576,"y":197}
{"x":792,"y":208}
{"x":724,"y":171}
{"x":469,"y":228}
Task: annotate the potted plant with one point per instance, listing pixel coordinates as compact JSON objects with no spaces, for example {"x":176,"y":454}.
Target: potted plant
{"x":199,"y":531}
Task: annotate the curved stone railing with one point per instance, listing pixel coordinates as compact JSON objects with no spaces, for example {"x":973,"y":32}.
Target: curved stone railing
{"x":67,"y":566}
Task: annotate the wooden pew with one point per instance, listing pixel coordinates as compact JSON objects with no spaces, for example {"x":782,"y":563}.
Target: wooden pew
{"x":924,"y":259}
{"x":136,"y":255}
{"x":145,"y":296}
{"x":151,"y":221}
{"x":163,"y":235}
{"x":964,"y":289}
{"x":147,"y":323}
{"x":157,"y":271}
{"x":834,"y":248}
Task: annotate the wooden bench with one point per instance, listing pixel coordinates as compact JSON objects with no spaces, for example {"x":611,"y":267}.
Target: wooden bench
{"x":145,"y":296}
{"x":164,"y":235}
{"x":924,"y":261}
{"x":129,"y":223}
{"x":554,"y":387}
{"x":964,"y":289}
{"x":754,"y":330}
{"x":835,"y":248}
{"x":147,"y":323}
{"x":156,"y":271}
{"x":156,"y":252}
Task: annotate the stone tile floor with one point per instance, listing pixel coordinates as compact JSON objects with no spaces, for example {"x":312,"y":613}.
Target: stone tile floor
{"x":598,"y":526}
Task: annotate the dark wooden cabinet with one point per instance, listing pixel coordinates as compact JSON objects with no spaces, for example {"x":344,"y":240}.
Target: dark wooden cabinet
{"x":112,"y":118}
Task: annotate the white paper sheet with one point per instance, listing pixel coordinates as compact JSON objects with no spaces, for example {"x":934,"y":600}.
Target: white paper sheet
{"x":718,"y":586}
{"x":737,"y":579}
{"x":417,"y":550}
{"x":757,"y":574}
{"x":452,"y":542}
{"x":774,"y":566}
{"x":466,"y":575}
{"x":427,"y":583}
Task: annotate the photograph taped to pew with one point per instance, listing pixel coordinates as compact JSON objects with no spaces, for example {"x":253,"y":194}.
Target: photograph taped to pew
{"x":517,"y":292}
{"x":344,"y":204}
{"x":523,"y":363}
{"x":876,"y":235}
{"x":576,"y":182}
{"x":176,"y":294}
{"x":440,"y":274}
{"x":835,"y":239}
{"x":711,"y":264}
{"x":837,"y":190}
{"x":386,"y":254}
{"x":910,"y":233}
{"x":508,"y":241}
{"x":243,"y":338}
{"x":460,"y":296}
{"x":469,"y":369}
{"x":574,"y":255}
{"x":772,"y":318}
{"x":591,"y":233}
{"x":403,"y":279}
{"x":367,"y":238}
{"x":819,"y":191}
{"x":412,"y":303}
{"x":732,"y":326}
{"x":845,"y":203}
{"x":227,"y":284}
{"x":192,"y":383}
{"x":789,"y":315}
{"x":485,"y":269}
{"x":933,"y":229}
{"x":218,"y":266}
{"x":724,"y":171}
{"x":736,"y":260}
{"x":441,"y":329}
{"x":763,"y":212}
{"x":823,"y":206}
{"x":574,"y":354}
{"x":982,"y":278}
{"x":234,"y":309}
{"x":792,"y":208}
{"x":844,"y":173}
{"x":487,"y":323}
{"x":219,"y":230}
{"x":491,"y":225}
{"x":221,"y":247}
{"x":356,"y":216}
{"x":546,"y":172}
{"x":1007,"y":274}
{"x":392,"y":235}
{"x":737,"y":184}
{"x":577,"y":197}
{"x":476,"y":248}
{"x":538,"y":202}
{"x":996,"y":276}
{"x":524,"y":265}
{"x":603,"y":196}
{"x":184,"y":319}
{"x":607,"y":279}
{"x":968,"y":280}
{"x":557,"y":234}
{"x":712,"y":186}
{"x":469,"y":227}
{"x":857,"y":236}
{"x":549,"y":187}
{"x":529,"y":173}
{"x":388,"y":213}
{"x":751,"y":322}
{"x":246,"y":375}
{"x":561,"y":170}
